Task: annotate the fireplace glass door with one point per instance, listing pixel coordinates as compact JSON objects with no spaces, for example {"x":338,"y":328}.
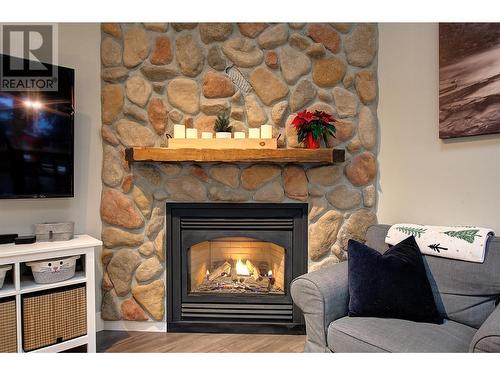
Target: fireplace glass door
{"x":236,"y":266}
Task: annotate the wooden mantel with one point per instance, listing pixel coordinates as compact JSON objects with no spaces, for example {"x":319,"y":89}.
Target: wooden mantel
{"x":279,"y":155}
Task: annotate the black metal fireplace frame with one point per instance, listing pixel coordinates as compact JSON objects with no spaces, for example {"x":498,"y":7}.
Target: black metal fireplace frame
{"x":282,"y":223}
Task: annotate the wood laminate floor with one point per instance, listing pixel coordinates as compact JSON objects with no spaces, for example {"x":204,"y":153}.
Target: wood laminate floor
{"x":149,"y":342}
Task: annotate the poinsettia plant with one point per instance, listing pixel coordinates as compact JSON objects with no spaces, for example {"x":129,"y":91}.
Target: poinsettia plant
{"x":311,"y":126}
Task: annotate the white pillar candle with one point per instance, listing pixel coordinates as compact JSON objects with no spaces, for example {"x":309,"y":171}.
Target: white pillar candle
{"x":192,"y":133}
{"x":266,"y":131}
{"x":239,"y":135}
{"x":206,"y":135}
{"x":179,"y":131}
{"x":254,"y":133}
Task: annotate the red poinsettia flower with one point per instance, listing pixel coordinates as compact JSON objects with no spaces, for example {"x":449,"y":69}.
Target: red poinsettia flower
{"x":311,"y":125}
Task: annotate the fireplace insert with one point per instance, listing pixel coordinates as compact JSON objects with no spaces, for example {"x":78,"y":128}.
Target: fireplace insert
{"x":229,"y":266}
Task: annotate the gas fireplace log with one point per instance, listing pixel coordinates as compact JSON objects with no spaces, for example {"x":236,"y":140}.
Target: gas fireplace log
{"x":224,"y":268}
{"x":254,"y":271}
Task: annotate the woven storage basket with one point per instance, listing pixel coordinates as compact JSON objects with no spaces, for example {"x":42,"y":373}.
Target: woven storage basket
{"x":52,"y":317}
{"x":8,"y":332}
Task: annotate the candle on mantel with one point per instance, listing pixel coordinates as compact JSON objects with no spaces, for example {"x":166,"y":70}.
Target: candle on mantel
{"x":192,"y":133}
{"x":266,"y":131}
{"x":254,"y":133}
{"x":179,"y":131}
{"x":206,"y":135}
{"x":239,"y":135}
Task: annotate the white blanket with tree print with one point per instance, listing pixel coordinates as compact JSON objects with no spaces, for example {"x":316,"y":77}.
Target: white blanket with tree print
{"x":464,"y":243}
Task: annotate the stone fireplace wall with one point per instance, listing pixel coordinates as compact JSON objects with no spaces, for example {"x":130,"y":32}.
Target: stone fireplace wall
{"x":155,"y":75}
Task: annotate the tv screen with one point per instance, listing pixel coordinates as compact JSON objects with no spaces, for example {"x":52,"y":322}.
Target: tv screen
{"x":36,"y":140}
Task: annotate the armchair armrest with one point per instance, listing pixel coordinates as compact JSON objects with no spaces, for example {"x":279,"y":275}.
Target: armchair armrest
{"x":487,"y":337}
{"x":323,"y":296}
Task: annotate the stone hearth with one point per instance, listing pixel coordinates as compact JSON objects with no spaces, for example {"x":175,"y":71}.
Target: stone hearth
{"x":155,"y":75}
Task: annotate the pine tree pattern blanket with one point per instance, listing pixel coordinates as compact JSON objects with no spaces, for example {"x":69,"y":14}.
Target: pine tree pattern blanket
{"x":463,"y":243}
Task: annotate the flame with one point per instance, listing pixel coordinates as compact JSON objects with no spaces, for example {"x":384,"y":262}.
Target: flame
{"x":242,"y":269}
{"x":270,"y":273}
{"x":208,"y":273}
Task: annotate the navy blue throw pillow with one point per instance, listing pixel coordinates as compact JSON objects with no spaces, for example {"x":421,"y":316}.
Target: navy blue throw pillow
{"x":390,"y":285}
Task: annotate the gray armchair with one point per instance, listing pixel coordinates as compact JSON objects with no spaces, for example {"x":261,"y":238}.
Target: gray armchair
{"x":466,"y":294}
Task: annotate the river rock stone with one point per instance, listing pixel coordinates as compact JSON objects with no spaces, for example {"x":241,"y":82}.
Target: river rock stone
{"x":303,"y":94}
{"x":176,"y":116}
{"x":299,"y":41}
{"x":159,"y":243}
{"x":111,"y":52}
{"x":143,"y":200}
{"x":138,"y":90}
{"x":252,"y":30}
{"x":323,"y":234}
{"x":118,"y":209}
{"x":297,"y":25}
{"x":362,"y":169}
{"x":106,"y":283}
{"x":160,"y":27}
{"x":149,"y":269}
{"x":344,"y":198}
{"x":316,"y":50}
{"x":157,"y":114}
{"x":317,"y":206}
{"x":159,"y":73}
{"x":325,"y":96}
{"x":186,"y":188}
{"x":255,"y":114}
{"x":324,"y":34}
{"x":121,"y":269}
{"x":127,"y":183}
{"x":243,"y":52}
{"x":199,"y":173}
{"x":112,"y":29}
{"x":294,"y":64}
{"x":215,"y":32}
{"x":324,"y":263}
{"x":132,"y":311}
{"x":147,"y":249}
{"x":344,"y":28}
{"x":267,"y":85}
{"x":189,"y":55}
{"x":291,"y":134}
{"x":215,"y":58}
{"x":366,"y":86}
{"x":328,"y":72}
{"x":132,"y":134}
{"x":238,"y":114}
{"x":109,"y":136}
{"x":135,"y":112}
{"x":345,"y":102}
{"x":114,"y":74}
{"x":110,"y":306}
{"x":227,"y":174}
{"x":369,"y":196}
{"x":327,"y":175}
{"x":149,"y":173}
{"x":170,"y":169}
{"x":184,"y":94}
{"x":367,"y":130}
{"x":356,"y":226}
{"x":114,"y":237}
{"x":273,"y":36}
{"x":217,"y":85}
{"x":272,"y":192}
{"x":226,"y":194}
{"x":257,"y":175}
{"x":112,"y":172}
{"x":112,"y":102}
{"x":272,"y":59}
{"x":179,"y":26}
{"x":278,"y":112}
{"x":344,"y":132}
{"x":156,"y":222}
{"x":215,"y":106}
{"x":136,"y":46}
{"x":295,"y":182}
{"x":152,"y":298}
{"x":162,"y":51}
{"x":360,"y":45}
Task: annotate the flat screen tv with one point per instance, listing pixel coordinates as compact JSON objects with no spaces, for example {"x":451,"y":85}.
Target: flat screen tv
{"x":37,"y":140}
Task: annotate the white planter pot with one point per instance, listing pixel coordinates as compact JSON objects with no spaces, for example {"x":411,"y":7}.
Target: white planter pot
{"x":224,"y":135}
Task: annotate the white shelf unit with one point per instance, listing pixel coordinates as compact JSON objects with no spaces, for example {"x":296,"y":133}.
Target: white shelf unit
{"x":16,"y":255}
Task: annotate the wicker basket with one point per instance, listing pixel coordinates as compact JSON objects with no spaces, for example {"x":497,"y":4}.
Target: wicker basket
{"x":54,"y":316}
{"x":8,"y":331}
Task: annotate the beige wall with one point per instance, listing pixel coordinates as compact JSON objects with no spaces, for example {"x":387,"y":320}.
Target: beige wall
{"x":422,"y":178}
{"x":78,"y":49}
